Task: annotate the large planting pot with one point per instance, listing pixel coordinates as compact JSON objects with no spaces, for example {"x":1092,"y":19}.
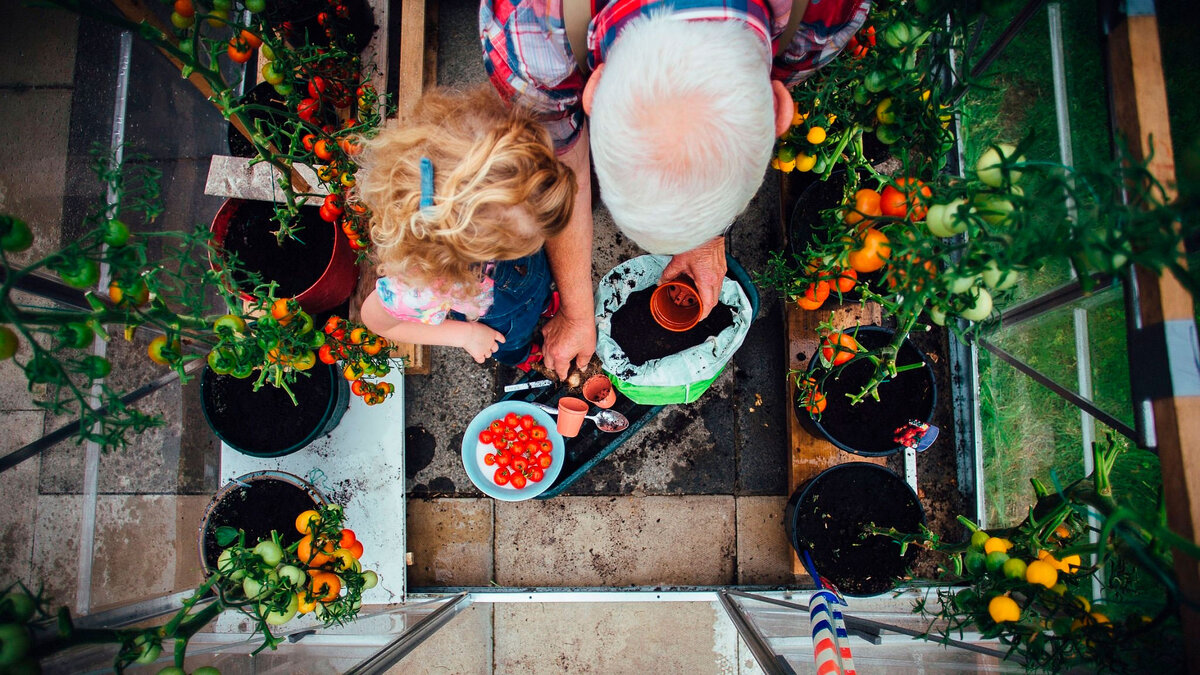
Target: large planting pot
{"x":827,"y":515}
{"x":265,"y":423}
{"x":319,"y":273}
{"x":257,"y":503}
{"x":868,"y":427}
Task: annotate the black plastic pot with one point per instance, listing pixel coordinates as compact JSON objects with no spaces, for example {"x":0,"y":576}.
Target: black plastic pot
{"x":263,"y":94}
{"x":806,"y":222}
{"x":827,"y":515}
{"x":298,"y":19}
{"x":265,"y":423}
{"x":256,"y":503}
{"x":868,"y":427}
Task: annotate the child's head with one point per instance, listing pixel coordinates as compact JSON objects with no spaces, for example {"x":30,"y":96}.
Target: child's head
{"x":499,"y":189}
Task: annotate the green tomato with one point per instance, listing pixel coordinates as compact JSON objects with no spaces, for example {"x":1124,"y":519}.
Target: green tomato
{"x":15,"y":235}
{"x":959,"y":285}
{"x":996,"y":560}
{"x":150,"y":650}
{"x":222,"y":4}
{"x":305,"y":322}
{"x":861,"y":95}
{"x":997,"y":208}
{"x":1014,"y":568}
{"x":255,"y":6}
{"x":83,"y":274}
{"x":875,"y":81}
{"x":974,"y":561}
{"x":221,"y":361}
{"x":265,"y":50}
{"x":899,"y":34}
{"x":18,"y":606}
{"x":116,"y":233}
{"x":284,"y":89}
{"x":944,"y":220}
{"x":172,"y":670}
{"x":965,"y":598}
{"x":96,"y":367}
{"x":884,"y":112}
{"x":370,"y":579}
{"x":270,"y":74}
{"x":990,"y":168}
{"x":8,"y":343}
{"x":269,"y":551}
{"x":887,"y":133}
{"x":979,"y":538}
{"x":293,"y":574}
{"x":997,"y":279}
{"x":256,"y":589}
{"x":180,"y":21}
{"x":229,"y":324}
{"x":280,"y":617}
{"x":209,"y":670}
{"x":937,"y":316}
{"x":982,"y":308}
{"x":243,"y":370}
{"x":14,"y":643}
{"x":226,"y":566}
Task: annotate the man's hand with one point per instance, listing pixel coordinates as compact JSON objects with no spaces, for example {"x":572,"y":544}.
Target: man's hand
{"x":566,"y":340}
{"x":705,"y":264}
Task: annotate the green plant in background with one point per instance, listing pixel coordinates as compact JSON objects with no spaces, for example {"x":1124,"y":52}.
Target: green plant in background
{"x":1031,"y":586}
{"x":268,"y":583}
{"x":329,"y":102}
{"x":162,"y":283}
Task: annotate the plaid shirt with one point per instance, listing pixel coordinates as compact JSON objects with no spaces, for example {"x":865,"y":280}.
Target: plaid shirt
{"x":529,"y":59}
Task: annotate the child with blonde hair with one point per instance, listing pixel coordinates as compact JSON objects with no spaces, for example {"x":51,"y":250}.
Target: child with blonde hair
{"x":463,"y":194}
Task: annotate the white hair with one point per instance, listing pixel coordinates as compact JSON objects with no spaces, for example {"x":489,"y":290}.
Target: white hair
{"x":682,"y":128}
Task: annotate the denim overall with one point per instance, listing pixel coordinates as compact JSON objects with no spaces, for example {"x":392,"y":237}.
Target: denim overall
{"x":520,"y":294}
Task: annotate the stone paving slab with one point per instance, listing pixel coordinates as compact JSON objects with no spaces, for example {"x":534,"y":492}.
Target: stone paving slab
{"x":24,"y":59}
{"x":763,"y":551}
{"x":645,"y":637}
{"x":32,"y":183}
{"x":18,"y":499}
{"x":616,"y":541}
{"x":462,"y":647}
{"x":451,"y":542}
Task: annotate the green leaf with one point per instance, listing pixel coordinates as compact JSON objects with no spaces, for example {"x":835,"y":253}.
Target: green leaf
{"x":226,"y":535}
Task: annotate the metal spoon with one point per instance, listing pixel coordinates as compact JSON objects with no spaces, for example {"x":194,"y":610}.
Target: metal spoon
{"x":609,"y":421}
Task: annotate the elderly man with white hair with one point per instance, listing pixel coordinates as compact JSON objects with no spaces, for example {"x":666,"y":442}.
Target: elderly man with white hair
{"x":685,"y":98}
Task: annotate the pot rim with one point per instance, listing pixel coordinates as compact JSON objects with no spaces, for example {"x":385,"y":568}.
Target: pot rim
{"x":241,"y":481}
{"x":928,"y":370}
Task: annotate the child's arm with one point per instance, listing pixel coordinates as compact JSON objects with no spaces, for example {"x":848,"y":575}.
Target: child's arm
{"x":478,"y":339}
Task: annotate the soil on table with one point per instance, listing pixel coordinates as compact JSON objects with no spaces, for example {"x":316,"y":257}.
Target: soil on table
{"x":643,"y":339}
{"x":870,"y":425}
{"x":294,"y":264}
{"x":268,"y":504}
{"x":830,"y":522}
{"x":266,"y":420}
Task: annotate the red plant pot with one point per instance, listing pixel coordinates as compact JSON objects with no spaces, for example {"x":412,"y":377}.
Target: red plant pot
{"x":339,"y":274}
{"x":676,"y":305}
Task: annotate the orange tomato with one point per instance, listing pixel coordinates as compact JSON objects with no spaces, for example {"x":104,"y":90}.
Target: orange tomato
{"x":322,"y":149}
{"x":838,"y":348}
{"x":846,"y":280}
{"x":309,"y":556}
{"x":814,"y":296}
{"x":307,"y":521}
{"x":872,"y":254}
{"x":356,"y":549}
{"x":251,"y":39}
{"x":325,"y":585}
{"x":813,"y":400}
{"x":184,"y":8}
{"x":304,"y":606}
{"x":909,"y":198}
{"x":867,"y":202}
{"x":281,"y":311}
{"x":239,"y":50}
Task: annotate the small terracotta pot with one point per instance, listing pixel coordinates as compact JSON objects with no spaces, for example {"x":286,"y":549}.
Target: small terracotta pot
{"x":598,"y":390}
{"x":571,"y":412}
{"x":676,"y":306}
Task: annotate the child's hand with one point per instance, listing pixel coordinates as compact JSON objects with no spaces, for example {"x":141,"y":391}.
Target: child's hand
{"x":481,"y":341}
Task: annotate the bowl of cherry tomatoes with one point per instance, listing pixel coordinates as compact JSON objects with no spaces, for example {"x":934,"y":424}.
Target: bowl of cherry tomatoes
{"x":512,"y":451}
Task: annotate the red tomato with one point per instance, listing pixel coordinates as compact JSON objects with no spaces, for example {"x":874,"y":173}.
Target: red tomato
{"x":499,"y":443}
{"x":325,"y":353}
{"x":489,"y":459}
{"x":518,"y":481}
{"x":909,"y":198}
{"x":485,"y":437}
{"x":527,"y":422}
{"x":496,"y":427}
{"x":501,"y":476}
{"x":356,"y":549}
{"x":536,"y":474}
{"x":347,"y":540}
{"x":545,"y":446}
{"x":510,"y":435}
{"x":838,"y":348}
{"x":512,"y":420}
{"x":520,"y":464}
{"x":358,"y":387}
{"x":522,"y":436}
{"x":537,"y":433}
{"x":544,"y":461}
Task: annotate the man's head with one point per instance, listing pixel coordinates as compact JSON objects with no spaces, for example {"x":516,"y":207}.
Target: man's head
{"x":682,"y":127}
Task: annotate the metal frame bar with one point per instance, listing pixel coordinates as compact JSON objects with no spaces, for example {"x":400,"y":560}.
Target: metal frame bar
{"x":408,"y":640}
{"x":1070,"y":396}
{"x":768,"y":660}
{"x":997,"y":47}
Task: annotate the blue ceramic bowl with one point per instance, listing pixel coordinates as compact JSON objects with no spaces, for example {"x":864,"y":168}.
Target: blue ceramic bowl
{"x":481,"y":474}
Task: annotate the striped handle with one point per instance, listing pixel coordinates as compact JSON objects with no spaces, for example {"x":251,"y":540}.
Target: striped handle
{"x":831,"y":650}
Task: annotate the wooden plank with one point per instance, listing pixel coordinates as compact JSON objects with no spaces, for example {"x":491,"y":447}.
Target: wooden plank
{"x":412,"y":72}
{"x":810,"y":455}
{"x":1140,"y":102}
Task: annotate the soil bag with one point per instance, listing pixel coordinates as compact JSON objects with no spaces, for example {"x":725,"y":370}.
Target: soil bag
{"x":675,"y":378}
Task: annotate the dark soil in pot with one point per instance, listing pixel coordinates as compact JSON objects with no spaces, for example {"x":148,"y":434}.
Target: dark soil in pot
{"x":266,"y":421}
{"x":294,"y":264}
{"x":265,"y":95}
{"x":267,"y":504}
{"x":299,"y":19}
{"x":643,"y":339}
{"x":869,"y":427}
{"x":828,"y":516}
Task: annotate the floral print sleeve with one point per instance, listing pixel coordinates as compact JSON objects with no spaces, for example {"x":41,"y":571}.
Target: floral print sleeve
{"x":425,"y":305}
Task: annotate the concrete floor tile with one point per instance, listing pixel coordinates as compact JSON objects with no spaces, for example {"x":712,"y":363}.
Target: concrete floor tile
{"x":189,"y":511}
{"x":763,"y":551}
{"x":33,"y":144}
{"x":459,"y":61}
{"x":747,"y":665}
{"x":451,"y":542}
{"x":643,"y":637}
{"x":56,"y":547}
{"x":616,"y":541}
{"x":18,"y":500}
{"x":24,"y":59}
{"x":462,"y":647}
{"x":136,"y":541}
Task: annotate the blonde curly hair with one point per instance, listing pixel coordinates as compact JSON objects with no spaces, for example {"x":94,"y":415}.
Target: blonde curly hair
{"x":499,"y":190}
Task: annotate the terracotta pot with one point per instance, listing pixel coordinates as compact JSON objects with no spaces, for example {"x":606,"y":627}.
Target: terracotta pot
{"x":599,"y":391}
{"x":675,"y":305}
{"x":571,"y":412}
{"x":335,"y":283}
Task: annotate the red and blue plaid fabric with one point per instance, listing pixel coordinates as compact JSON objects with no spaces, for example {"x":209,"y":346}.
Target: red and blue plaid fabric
{"x":530,"y":62}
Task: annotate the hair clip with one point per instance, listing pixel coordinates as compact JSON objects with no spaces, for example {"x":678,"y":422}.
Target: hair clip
{"x":426,"y":183}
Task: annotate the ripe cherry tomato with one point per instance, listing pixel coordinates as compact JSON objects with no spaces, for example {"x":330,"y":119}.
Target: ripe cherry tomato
{"x":512,"y":420}
{"x":813,"y":400}
{"x":527,"y":422}
{"x":485,"y":437}
{"x":323,"y":149}
{"x":489,"y":459}
{"x":838,"y":348}
{"x":326,"y":355}
{"x":239,"y":50}
{"x":846,"y":280}
{"x":348,"y":538}
{"x":872,"y":254}
{"x":358,"y":388}
{"x":282,"y":310}
{"x":251,"y":39}
{"x":309,"y":142}
{"x":538,"y":432}
{"x":545,"y":446}
{"x":307,"y":109}
{"x":909,"y":198}
{"x":501,"y":476}
{"x":518,"y":481}
{"x":500,"y":444}
{"x":814,"y":296}
{"x":496,"y":427}
{"x":544,"y":461}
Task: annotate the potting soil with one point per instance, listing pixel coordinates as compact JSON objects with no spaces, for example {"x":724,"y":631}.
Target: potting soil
{"x":869,"y":425}
{"x":295,"y":263}
{"x":266,"y":420}
{"x":830,"y":523}
{"x":643,"y":339}
{"x":269,"y":504}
